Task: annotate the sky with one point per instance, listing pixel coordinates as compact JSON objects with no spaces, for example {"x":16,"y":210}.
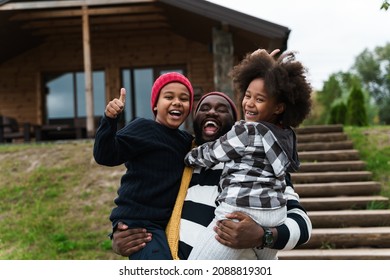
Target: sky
{"x":328,"y":35}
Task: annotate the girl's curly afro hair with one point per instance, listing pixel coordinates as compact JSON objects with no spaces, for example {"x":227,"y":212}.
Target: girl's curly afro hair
{"x":284,"y":79}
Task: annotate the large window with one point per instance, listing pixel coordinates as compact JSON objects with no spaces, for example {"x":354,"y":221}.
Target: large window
{"x":138,"y":83}
{"x":65,"y":97}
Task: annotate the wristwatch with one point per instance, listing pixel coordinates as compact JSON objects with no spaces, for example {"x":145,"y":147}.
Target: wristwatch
{"x":268,"y":238}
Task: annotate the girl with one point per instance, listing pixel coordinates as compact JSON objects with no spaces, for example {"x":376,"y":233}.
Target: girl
{"x":258,"y":152}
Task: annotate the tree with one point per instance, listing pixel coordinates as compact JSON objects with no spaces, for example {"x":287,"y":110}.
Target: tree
{"x":385,"y":5}
{"x":331,"y":90}
{"x":371,"y":74}
{"x":384,"y":116}
{"x":338,"y":113}
{"x":334,"y":93}
{"x":373,"y":68}
{"x":356,"y":110}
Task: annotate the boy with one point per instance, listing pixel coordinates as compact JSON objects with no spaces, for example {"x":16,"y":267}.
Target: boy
{"x":153,"y":153}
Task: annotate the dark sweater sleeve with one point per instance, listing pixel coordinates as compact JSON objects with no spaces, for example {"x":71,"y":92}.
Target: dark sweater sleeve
{"x":106,"y":150}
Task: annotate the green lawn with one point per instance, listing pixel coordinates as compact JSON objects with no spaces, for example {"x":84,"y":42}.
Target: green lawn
{"x":373,"y":144}
{"x":55,"y":202}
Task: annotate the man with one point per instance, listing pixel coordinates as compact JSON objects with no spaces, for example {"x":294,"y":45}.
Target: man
{"x":213,"y":117}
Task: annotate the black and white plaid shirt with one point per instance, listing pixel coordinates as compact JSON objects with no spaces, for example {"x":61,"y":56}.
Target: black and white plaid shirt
{"x":255,"y":163}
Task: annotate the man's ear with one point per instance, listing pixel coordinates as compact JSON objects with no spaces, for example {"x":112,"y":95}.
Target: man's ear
{"x":280,"y":107}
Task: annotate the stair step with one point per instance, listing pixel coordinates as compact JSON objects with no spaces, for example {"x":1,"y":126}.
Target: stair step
{"x":353,"y":237}
{"x":352,"y":165}
{"x":325,"y":146}
{"x":335,"y":155}
{"x":349,"y":218}
{"x":336,"y":254}
{"x":337,"y":188}
{"x":327,"y":177}
{"x":332,"y":128}
{"x":343,"y":202}
{"x":338,"y":192}
{"x":321,"y":137}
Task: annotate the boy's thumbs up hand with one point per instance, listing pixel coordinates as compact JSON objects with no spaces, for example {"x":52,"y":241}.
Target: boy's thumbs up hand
{"x":122,"y":97}
{"x":116,"y":106}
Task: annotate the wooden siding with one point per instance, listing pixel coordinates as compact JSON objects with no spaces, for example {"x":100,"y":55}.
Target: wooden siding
{"x":21,"y":92}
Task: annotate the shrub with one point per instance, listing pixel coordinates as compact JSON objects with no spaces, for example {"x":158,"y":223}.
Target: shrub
{"x":356,"y":110}
{"x":338,"y":113}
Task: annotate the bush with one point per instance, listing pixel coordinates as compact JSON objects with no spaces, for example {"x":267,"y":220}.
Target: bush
{"x":338,"y":113}
{"x":356,"y":110}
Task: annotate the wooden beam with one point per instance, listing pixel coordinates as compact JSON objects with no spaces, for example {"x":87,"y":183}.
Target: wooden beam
{"x":88,"y":74}
{"x":133,"y":26}
{"x":100,"y":28}
{"x":91,"y":12}
{"x":93,"y":21}
{"x":66,"y":4}
{"x":130,"y":33}
{"x":52,"y":23}
{"x":223,"y":50}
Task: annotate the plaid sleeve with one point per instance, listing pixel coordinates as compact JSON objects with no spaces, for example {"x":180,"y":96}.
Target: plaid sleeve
{"x":228,"y":147}
{"x":274,"y":152}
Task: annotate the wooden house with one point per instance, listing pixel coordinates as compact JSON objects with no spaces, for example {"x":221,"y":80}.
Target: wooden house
{"x":62,"y":61}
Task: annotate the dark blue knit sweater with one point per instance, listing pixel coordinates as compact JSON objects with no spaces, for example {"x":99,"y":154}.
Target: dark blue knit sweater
{"x":154,"y":157}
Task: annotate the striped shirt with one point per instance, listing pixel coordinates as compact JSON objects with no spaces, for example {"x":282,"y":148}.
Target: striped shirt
{"x":200,"y":203}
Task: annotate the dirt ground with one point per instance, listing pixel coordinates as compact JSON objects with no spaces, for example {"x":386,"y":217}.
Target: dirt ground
{"x":382,"y":136}
{"x":24,"y":159}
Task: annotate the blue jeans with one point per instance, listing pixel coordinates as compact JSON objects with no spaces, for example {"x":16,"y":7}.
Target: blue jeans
{"x":157,"y":248}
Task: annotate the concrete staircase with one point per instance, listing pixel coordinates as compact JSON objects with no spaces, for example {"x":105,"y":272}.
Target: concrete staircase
{"x":338,"y":194}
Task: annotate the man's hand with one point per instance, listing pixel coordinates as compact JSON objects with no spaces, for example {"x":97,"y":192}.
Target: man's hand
{"x":126,"y":242}
{"x":273,"y":53}
{"x":242,"y":234}
{"x":116,"y":106}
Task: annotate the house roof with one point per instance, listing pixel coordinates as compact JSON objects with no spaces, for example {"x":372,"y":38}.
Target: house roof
{"x":25,"y":24}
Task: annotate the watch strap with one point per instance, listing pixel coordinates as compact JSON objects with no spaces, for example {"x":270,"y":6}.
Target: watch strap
{"x":268,"y":238}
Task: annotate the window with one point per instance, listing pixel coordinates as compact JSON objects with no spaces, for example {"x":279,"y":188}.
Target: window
{"x":65,"y":97}
{"x":138,"y":83}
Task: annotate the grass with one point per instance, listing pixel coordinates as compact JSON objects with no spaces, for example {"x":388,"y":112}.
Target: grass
{"x":55,"y":200}
{"x":373,"y":144}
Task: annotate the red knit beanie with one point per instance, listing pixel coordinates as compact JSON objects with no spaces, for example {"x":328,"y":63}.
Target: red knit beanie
{"x":165,"y":79}
{"x":234,"y":108}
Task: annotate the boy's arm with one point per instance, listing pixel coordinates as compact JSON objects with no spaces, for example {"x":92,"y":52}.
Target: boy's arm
{"x":105,"y":149}
{"x":105,"y":146}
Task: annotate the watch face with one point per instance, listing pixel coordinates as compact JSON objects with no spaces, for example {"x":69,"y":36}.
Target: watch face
{"x":268,"y":237}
